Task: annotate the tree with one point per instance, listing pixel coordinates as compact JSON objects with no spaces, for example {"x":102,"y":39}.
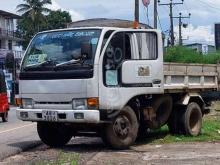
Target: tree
{"x":33,"y":18}
{"x":34,"y":9}
{"x":58,"y":19}
{"x":36,"y":17}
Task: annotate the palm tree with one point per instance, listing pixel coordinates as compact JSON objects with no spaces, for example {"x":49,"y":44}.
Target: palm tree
{"x":35,"y":10}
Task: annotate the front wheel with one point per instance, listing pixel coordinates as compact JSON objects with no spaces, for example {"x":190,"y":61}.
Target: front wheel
{"x":123,"y":130}
{"x":54,"y":134}
{"x":5,"y":117}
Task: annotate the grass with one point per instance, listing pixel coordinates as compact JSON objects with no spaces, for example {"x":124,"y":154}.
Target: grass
{"x":62,"y":159}
{"x":181,"y":54}
{"x":210,"y":133}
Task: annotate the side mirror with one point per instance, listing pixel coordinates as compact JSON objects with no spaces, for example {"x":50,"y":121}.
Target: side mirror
{"x":86,"y":50}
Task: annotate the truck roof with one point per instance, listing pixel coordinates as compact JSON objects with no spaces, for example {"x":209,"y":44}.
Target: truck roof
{"x":106,"y":22}
{"x":101,"y":28}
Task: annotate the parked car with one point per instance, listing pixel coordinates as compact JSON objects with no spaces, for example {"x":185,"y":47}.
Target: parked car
{"x":4,"y":106}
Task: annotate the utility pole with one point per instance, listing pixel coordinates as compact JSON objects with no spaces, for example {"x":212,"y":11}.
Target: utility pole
{"x":155,"y":14}
{"x":180,"y":27}
{"x":136,"y":14}
{"x":171,"y":5}
{"x":171,"y":24}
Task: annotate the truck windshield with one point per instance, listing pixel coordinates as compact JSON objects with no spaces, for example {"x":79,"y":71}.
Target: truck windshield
{"x":61,"y":49}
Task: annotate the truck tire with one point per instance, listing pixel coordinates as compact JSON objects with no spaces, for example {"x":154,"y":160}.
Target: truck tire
{"x":163,"y":107}
{"x":4,"y":117}
{"x":192,"y":120}
{"x":122,"y":132}
{"x":53,"y":134}
{"x":174,"y":120}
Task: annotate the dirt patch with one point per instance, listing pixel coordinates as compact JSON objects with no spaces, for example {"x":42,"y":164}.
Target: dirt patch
{"x":82,"y":148}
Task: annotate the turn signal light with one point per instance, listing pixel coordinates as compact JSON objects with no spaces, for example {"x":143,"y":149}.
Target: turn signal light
{"x":136,"y":25}
{"x":93,"y":103}
{"x":18,"y":101}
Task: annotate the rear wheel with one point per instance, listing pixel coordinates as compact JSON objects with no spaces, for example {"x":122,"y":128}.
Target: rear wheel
{"x":123,"y":130}
{"x":192,"y":120}
{"x":5,"y":117}
{"x":54,"y":134}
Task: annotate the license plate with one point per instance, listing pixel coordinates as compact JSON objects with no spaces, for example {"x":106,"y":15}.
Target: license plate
{"x":50,"y":116}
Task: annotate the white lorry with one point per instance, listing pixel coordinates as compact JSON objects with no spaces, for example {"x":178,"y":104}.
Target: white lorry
{"x":109,"y":82}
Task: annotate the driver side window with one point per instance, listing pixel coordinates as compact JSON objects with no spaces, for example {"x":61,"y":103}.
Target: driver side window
{"x":118,"y":50}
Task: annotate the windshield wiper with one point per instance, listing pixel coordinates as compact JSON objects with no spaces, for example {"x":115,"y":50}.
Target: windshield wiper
{"x":73,"y":61}
{"x":33,"y":66}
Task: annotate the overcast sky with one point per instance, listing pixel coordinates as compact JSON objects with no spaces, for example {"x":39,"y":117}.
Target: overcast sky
{"x":204,"y":14}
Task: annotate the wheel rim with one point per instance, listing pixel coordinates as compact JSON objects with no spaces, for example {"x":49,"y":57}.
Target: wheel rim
{"x":122,"y":126}
{"x":194,"y":121}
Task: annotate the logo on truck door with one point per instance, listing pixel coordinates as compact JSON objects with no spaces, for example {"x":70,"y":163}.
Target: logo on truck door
{"x":143,"y":71}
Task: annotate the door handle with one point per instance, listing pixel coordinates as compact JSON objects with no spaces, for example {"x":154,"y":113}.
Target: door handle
{"x":156,"y":81}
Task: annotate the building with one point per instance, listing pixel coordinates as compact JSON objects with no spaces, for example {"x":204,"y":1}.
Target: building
{"x":201,"y":48}
{"x":104,"y":22}
{"x":9,"y":38}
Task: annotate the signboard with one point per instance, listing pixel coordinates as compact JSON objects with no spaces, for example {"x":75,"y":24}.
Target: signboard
{"x":217,"y":36}
{"x":8,"y":80}
{"x":205,"y":49}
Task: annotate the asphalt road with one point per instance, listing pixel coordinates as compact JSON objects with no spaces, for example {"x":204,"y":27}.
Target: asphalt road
{"x":16,"y":136}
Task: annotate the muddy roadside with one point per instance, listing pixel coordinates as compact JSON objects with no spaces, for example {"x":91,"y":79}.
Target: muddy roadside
{"x":92,"y":151}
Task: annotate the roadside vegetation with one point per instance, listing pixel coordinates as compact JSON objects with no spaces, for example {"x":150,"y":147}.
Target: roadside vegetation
{"x":210,"y":133}
{"x":182,"y":54}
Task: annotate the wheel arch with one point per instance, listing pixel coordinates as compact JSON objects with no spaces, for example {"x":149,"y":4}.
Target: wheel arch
{"x":193,"y":97}
{"x":134,"y":103}
{"x":138,"y":102}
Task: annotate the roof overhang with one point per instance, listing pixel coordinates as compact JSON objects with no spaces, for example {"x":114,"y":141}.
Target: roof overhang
{"x":9,"y":15}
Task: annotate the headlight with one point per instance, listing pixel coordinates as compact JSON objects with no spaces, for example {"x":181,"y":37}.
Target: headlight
{"x":27,"y":104}
{"x":86,"y":104}
{"x":79,"y":104}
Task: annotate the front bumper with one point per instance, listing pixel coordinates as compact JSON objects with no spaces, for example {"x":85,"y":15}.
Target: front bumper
{"x":67,"y":116}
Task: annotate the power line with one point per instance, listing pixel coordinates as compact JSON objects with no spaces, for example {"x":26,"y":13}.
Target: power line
{"x":208,"y":4}
{"x":180,"y":17}
{"x":186,"y":6}
{"x":147,"y":15}
{"x":160,"y":22}
{"x":171,"y":5}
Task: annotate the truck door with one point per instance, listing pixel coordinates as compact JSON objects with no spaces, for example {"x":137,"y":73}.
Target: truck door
{"x":147,"y":67}
{"x":131,"y":64}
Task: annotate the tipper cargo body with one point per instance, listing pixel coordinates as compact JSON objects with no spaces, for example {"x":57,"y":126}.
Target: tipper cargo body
{"x":197,"y":77}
